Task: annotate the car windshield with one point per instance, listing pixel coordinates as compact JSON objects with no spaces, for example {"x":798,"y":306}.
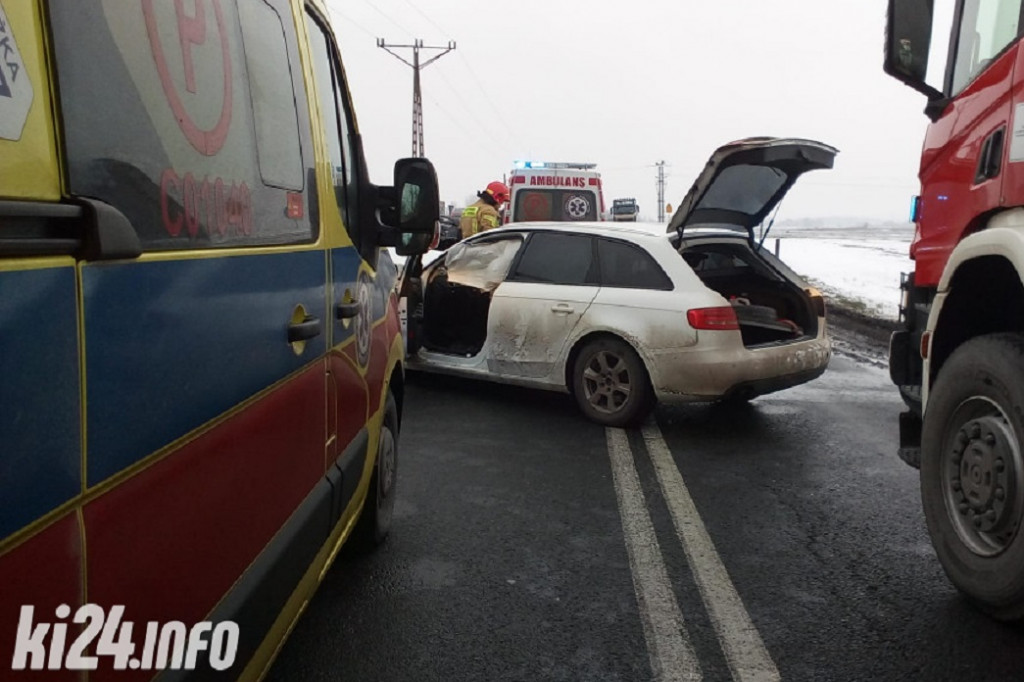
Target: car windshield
{"x":554,"y":204}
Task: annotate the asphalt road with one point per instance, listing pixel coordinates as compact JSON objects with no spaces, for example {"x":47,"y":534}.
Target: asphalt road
{"x":778,"y":540}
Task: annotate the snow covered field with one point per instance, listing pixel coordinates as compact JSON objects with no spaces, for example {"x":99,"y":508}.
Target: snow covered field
{"x":858,"y":264}
{"x":852,"y":261}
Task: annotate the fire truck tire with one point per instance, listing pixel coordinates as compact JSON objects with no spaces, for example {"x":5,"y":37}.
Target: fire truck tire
{"x":374,"y":522}
{"x":972,"y":472}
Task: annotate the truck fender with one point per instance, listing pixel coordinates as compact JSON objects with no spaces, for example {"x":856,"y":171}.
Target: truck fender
{"x":1003,"y":236}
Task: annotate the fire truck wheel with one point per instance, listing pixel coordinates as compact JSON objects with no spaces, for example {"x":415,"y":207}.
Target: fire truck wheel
{"x":375,"y":520}
{"x":972,"y":472}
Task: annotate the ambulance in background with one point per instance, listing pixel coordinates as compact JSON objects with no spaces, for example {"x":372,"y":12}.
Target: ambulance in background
{"x":563,"y":191}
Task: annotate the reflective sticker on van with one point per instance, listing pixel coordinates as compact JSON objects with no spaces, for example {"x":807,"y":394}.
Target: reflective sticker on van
{"x":364,"y":321}
{"x":15,"y":87}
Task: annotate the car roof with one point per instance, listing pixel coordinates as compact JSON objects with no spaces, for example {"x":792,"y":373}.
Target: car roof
{"x":632,"y":231}
{"x":639,"y":232}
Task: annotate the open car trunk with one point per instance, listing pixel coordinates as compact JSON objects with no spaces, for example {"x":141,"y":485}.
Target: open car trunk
{"x":770,"y":306}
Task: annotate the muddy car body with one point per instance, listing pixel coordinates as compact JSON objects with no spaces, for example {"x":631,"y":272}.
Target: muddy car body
{"x":624,"y":316}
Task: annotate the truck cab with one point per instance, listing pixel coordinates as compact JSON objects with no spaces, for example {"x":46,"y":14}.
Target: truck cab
{"x":624,"y":210}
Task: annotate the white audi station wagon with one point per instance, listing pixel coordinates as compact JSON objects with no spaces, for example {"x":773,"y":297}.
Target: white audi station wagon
{"x":622,"y":317}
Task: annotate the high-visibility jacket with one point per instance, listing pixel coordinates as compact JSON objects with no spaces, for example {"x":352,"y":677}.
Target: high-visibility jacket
{"x":479,"y":217}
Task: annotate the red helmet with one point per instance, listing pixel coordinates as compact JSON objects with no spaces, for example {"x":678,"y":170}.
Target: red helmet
{"x":498,"y":190}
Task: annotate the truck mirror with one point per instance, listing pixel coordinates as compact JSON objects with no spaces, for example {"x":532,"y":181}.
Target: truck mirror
{"x":908,"y":35}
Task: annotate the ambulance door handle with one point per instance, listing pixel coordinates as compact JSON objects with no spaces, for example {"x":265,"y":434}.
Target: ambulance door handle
{"x":305,"y":330}
{"x":346,"y":311}
{"x":563,"y":308}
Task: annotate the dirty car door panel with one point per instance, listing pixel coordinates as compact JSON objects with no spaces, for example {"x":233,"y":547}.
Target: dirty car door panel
{"x":535,"y":312}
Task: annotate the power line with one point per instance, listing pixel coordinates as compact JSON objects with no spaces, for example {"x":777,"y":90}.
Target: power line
{"x":491,"y":141}
{"x":386,"y":16}
{"x":429,"y":20}
{"x":469,"y":110}
{"x":487,"y":97}
{"x":334,"y":10}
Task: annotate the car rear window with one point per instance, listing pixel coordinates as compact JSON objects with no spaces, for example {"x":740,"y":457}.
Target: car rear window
{"x":628,"y":266}
{"x":744,"y":187}
{"x":554,"y":258}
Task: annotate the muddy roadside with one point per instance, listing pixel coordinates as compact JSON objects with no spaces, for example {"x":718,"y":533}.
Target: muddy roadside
{"x":860,"y":336}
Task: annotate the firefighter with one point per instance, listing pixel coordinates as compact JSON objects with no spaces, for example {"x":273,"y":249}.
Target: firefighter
{"x":484,"y":213}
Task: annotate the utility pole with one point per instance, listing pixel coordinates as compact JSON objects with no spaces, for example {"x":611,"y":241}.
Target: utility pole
{"x":661,"y":191}
{"x":417,"y":97}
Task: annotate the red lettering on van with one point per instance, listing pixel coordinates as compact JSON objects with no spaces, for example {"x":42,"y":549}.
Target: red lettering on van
{"x":169,"y":184}
{"x":191,"y":202}
{"x":214,"y":207}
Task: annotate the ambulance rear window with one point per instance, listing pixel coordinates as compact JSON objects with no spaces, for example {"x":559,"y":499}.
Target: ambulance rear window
{"x":558,"y":205}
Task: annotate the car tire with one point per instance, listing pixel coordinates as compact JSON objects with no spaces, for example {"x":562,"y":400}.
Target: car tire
{"x":611,"y":384}
{"x":972,"y":472}
{"x":374,"y":523}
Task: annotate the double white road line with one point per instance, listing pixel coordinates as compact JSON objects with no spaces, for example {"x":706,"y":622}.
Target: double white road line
{"x":672,"y":656}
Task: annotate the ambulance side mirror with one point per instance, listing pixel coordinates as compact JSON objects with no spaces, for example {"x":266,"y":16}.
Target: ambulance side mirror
{"x":414,"y":208}
{"x":418,"y":196}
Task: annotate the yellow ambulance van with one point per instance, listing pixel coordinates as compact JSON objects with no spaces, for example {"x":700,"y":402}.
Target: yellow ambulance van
{"x":201,"y":369}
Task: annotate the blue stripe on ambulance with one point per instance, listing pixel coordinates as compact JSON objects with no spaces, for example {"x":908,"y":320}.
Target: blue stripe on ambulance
{"x":40,"y":438}
{"x":174,"y":344}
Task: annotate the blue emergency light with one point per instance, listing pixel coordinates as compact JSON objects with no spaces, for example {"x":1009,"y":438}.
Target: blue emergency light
{"x":915,"y":208}
{"x":548,"y":164}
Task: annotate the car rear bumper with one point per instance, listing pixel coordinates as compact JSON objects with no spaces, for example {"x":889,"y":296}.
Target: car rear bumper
{"x":707,"y":372}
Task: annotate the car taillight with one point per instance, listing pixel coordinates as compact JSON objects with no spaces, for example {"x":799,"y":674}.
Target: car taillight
{"x":817,"y":301}
{"x":720,"y":318}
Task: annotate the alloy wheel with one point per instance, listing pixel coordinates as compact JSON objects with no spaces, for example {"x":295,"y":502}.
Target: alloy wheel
{"x":607,"y":384}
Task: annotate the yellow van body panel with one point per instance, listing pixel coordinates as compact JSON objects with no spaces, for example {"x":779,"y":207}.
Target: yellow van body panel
{"x":29,"y":168}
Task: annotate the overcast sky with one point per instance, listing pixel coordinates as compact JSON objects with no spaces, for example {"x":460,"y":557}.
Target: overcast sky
{"x":627,"y":84}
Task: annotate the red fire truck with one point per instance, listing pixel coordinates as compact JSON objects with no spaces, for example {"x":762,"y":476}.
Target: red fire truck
{"x":959,"y":359}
